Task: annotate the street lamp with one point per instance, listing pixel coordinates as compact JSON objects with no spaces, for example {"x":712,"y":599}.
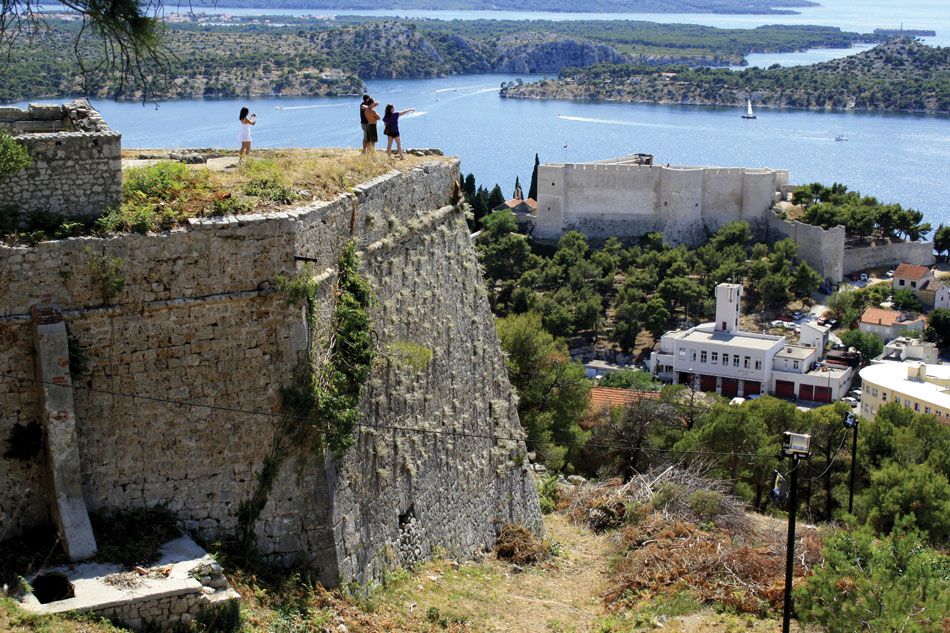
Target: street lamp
{"x":796,"y":446}
{"x":851,"y":422}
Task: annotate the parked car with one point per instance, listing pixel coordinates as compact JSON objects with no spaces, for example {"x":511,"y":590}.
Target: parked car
{"x":854,"y":277}
{"x":850,"y":401}
{"x":822,"y":321}
{"x":785,"y":317}
{"x":798,"y":314}
{"x":855,"y":393}
{"x":889,"y":274}
{"x":864,"y":277}
{"x":832,"y":323}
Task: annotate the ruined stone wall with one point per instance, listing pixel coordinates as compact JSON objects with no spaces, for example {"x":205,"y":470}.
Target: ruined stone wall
{"x":858,"y":258}
{"x":76,"y":160}
{"x":828,"y":253}
{"x":823,"y":249}
{"x":198,"y":321}
{"x":628,"y":201}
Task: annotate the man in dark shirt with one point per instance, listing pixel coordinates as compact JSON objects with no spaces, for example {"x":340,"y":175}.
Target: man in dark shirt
{"x":364,"y":123}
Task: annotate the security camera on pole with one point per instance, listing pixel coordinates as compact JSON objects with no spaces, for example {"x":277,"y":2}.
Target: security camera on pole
{"x":797,"y":447}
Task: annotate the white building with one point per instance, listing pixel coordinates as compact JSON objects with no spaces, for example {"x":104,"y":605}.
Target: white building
{"x":917,"y":386}
{"x":921,"y":281}
{"x":904,"y":348}
{"x":719,"y":357}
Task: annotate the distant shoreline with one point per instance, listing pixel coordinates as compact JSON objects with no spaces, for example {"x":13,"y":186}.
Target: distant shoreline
{"x":658,"y":7}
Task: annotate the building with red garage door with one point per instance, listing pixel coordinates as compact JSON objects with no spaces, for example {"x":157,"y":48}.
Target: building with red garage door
{"x":718,"y":357}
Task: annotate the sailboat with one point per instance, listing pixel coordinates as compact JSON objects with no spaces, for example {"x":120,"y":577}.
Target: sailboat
{"x":749,"y":114}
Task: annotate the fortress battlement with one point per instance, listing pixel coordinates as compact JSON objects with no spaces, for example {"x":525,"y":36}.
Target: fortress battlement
{"x":76,"y":160}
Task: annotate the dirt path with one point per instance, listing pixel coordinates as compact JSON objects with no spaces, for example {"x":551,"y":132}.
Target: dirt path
{"x":563,"y":595}
{"x":566,"y":595}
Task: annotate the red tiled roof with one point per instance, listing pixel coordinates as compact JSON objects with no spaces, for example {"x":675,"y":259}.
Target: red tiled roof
{"x":601,"y":397}
{"x":531,"y":203}
{"x":911,"y":271}
{"x":888,"y":318}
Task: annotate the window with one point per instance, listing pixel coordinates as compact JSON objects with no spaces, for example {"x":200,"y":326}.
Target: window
{"x":725,"y":359}
{"x":723,"y":326}
{"x":758,"y":364}
{"x":927,"y":410}
{"x":702,"y":356}
{"x":883,"y":396}
{"x":916,"y":406}
{"x":693,"y":352}
{"x":913,"y":284}
{"x":795,"y":364}
{"x":906,"y":403}
{"x":745,"y":362}
{"x":683,"y":353}
{"x":875,"y":392}
{"x":735,"y":360}
{"x":901,"y":282}
{"x":715,"y":357}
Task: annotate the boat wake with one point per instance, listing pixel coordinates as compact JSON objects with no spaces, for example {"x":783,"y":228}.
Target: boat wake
{"x":458,"y":88}
{"x":413,"y":115}
{"x":313,"y":107}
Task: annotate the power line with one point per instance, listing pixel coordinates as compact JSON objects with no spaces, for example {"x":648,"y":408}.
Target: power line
{"x":384,"y":427}
{"x":837,"y":452}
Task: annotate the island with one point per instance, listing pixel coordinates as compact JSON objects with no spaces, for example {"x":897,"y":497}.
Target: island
{"x":223,"y":56}
{"x":901,"y":75}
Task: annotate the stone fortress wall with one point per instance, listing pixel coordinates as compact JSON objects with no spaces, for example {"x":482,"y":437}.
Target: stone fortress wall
{"x":627,"y":200}
{"x":76,"y":160}
{"x":198,"y":321}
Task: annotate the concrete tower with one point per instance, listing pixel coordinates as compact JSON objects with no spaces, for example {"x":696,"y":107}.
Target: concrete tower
{"x":728,"y":297}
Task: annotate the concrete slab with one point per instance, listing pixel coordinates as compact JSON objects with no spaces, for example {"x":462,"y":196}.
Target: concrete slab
{"x":184,"y":573}
{"x":224,"y":163}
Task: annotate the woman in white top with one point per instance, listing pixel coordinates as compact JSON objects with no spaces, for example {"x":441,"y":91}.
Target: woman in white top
{"x":246,"y":123}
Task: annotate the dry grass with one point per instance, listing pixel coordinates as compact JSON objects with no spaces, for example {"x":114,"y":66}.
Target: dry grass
{"x":323,"y":172}
{"x":517,"y":544}
{"x":15,"y":620}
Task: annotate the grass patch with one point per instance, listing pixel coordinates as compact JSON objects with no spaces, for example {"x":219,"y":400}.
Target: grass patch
{"x":15,"y":620}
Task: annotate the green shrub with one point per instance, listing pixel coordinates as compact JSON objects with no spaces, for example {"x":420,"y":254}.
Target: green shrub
{"x":895,"y":584}
{"x":547,"y":493}
{"x":667,"y":494}
{"x":705,"y":504}
{"x":272,"y":187}
{"x":13,"y":156}
{"x":165,"y":180}
{"x":915,"y":490}
{"x":267,"y":181}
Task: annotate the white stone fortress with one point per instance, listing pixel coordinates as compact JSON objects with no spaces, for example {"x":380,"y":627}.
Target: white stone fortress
{"x":631,"y":196}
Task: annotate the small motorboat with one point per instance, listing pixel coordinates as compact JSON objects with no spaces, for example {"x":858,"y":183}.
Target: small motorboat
{"x":841,"y":137}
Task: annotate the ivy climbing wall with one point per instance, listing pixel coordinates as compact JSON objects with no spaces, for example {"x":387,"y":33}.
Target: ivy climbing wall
{"x":182,"y":346}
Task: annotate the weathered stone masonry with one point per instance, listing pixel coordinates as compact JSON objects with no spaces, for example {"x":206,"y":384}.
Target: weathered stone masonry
{"x":76,"y":160}
{"x":198,"y":321}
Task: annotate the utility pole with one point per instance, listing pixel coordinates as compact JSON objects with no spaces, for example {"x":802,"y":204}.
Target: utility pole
{"x":797,"y":447}
{"x":851,"y":422}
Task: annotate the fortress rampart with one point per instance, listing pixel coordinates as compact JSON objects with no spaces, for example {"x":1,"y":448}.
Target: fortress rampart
{"x":76,"y":160}
{"x":628,"y":200}
{"x":198,"y":321}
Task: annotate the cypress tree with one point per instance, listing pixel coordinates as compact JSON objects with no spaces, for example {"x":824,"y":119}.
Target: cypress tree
{"x":533,"y":190}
